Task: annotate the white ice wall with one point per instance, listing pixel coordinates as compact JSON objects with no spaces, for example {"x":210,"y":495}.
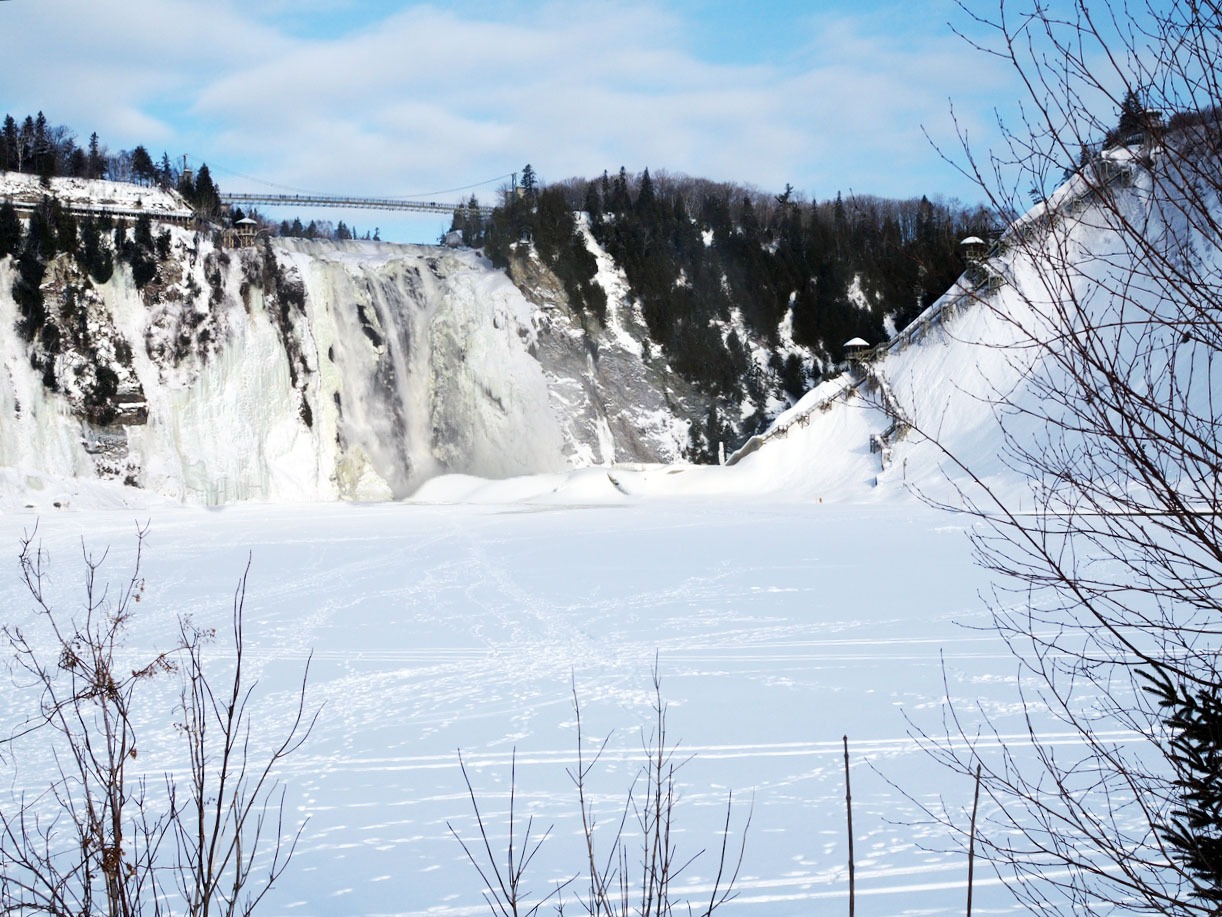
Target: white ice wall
{"x":448,"y":384}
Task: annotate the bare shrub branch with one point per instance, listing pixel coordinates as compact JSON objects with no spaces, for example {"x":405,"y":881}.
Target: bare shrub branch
{"x":617,"y":881}
{"x":1113,"y":299}
{"x":95,"y":837}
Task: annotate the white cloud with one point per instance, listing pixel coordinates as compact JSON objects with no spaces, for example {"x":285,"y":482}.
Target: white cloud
{"x":122,"y":69}
{"x":432,"y":98}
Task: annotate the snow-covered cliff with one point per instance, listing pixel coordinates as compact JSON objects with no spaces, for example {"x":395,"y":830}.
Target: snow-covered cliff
{"x":295,"y":370}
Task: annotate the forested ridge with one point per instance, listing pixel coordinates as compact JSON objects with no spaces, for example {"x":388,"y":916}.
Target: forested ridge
{"x":749,"y":296}
{"x":35,"y":146}
{"x":713,"y":263}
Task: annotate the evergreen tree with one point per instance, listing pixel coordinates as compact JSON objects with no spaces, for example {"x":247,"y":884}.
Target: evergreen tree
{"x":143,"y":170}
{"x":142,"y":232}
{"x":5,"y":147}
{"x":1132,"y":115}
{"x":1193,"y":829}
{"x":207,"y":198}
{"x":43,"y":152}
{"x":473,"y":232}
{"x":93,"y":255}
{"x":646,"y":199}
{"x":38,"y":248}
{"x":10,"y":229}
{"x":97,"y":159}
{"x":470,"y":222}
{"x":78,"y":163}
{"x":530,"y":183}
{"x":64,"y":227}
{"x":715,"y":217}
{"x":141,"y":252}
{"x":10,"y":142}
{"x":165,"y":172}
{"x":840,"y":225}
{"x":593,"y":203}
{"x":25,"y":144}
{"x":621,"y":202}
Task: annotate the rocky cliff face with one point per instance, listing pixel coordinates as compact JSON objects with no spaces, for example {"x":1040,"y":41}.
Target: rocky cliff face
{"x":315,"y":370}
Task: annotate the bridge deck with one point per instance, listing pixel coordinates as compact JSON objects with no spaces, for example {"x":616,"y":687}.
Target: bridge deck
{"x":355,"y":203}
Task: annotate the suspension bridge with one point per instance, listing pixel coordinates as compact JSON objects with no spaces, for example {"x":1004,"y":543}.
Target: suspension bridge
{"x":280,"y":196}
{"x":354,"y":203}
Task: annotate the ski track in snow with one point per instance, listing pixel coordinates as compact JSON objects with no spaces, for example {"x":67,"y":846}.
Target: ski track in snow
{"x":777,"y":629}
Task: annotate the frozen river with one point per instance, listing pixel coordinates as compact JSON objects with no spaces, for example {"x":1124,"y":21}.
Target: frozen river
{"x":777,"y":629}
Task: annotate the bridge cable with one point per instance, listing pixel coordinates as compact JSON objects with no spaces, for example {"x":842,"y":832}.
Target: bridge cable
{"x":404,"y":197}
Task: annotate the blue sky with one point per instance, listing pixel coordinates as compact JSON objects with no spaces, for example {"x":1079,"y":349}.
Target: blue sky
{"x":401,"y":99}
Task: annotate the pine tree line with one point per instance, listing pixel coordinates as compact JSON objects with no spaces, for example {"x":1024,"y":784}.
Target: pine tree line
{"x":317,"y":229}
{"x":36,"y":147}
{"x":700,"y":255}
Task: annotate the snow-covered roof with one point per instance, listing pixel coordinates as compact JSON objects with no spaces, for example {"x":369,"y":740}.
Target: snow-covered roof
{"x":856,"y":342}
{"x":1118,"y":154}
{"x":973,"y":240}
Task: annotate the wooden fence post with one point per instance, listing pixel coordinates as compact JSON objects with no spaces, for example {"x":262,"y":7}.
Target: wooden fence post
{"x":848,"y":804}
{"x":971,"y":843}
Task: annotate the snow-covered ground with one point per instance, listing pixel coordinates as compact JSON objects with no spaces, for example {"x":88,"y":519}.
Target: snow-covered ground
{"x":799,"y":596}
{"x":778,"y":627}
{"x":97,"y":194}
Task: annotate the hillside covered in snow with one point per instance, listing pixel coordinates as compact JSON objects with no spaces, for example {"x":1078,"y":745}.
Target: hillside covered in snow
{"x":164,"y":350}
{"x":298,"y":370}
{"x":523,"y":544}
{"x":793,"y":599}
